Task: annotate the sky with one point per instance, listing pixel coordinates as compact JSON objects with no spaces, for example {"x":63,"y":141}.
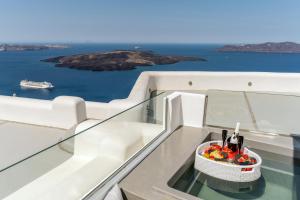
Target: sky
{"x":150,"y":21}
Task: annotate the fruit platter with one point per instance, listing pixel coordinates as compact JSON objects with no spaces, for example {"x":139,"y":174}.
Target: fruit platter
{"x":227,"y":159}
{"x":224,"y":164}
{"x":217,"y":153}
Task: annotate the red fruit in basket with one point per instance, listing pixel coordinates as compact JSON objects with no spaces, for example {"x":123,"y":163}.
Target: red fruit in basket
{"x":253,"y":161}
{"x":231,"y":156}
{"x":241,"y":160}
{"x":227,"y":150}
{"x":215,"y":147}
{"x":245,"y":156}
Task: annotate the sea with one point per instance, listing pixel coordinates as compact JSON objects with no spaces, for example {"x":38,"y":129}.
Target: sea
{"x":104,"y":86}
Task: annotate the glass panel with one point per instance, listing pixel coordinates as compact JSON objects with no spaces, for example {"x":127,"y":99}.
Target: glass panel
{"x":258,"y":112}
{"x":225,"y":108}
{"x":275,"y":113}
{"x":71,"y":168}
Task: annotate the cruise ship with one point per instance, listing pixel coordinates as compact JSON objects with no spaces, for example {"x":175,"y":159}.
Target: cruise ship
{"x":143,"y":147}
{"x":36,"y":85}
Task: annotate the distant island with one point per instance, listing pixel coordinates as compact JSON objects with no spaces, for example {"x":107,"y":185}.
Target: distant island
{"x":117,"y":60}
{"x":18,"y":47}
{"x":268,"y":47}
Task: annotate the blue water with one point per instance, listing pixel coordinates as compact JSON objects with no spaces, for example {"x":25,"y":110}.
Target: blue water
{"x":105,"y":86}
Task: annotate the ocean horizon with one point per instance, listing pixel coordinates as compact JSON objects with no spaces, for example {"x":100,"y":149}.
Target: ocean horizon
{"x":105,"y":86}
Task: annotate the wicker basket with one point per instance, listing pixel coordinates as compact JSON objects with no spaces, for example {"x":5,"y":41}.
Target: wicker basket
{"x":227,"y":171}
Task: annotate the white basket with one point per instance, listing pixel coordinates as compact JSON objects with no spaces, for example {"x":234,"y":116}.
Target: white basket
{"x":227,"y":171}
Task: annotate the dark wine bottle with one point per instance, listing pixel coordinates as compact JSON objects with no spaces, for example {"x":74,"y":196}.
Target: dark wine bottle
{"x":240,"y":143}
{"x":232,"y":142}
{"x":224,"y":137}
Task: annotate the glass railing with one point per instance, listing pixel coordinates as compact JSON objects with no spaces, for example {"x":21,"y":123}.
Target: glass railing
{"x":71,"y":168}
{"x":257,"y":112}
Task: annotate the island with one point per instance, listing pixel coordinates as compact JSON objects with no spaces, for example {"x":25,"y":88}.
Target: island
{"x":268,"y":47}
{"x":19,"y":47}
{"x":117,"y":60}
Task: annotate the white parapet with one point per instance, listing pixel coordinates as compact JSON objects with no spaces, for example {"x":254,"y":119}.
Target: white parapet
{"x":232,"y":81}
{"x":196,"y":81}
{"x":63,"y":112}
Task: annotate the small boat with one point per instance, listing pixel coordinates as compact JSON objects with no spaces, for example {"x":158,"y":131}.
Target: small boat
{"x":36,"y":85}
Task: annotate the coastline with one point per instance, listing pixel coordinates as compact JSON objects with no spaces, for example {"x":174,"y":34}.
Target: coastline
{"x":108,"y":85}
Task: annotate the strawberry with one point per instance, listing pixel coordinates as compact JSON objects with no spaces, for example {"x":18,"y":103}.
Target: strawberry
{"x":231,"y":156}
{"x":253,"y":161}
{"x":245,"y":156}
{"x":227,"y":150}
{"x":215,"y":147}
{"x":241,"y":160}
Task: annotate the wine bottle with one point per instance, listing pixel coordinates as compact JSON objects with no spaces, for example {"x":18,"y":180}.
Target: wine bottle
{"x":240,"y":143}
{"x":224,"y":137}
{"x":233,"y":140}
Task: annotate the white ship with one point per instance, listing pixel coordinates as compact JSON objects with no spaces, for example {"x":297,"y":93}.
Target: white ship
{"x":36,"y":85}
